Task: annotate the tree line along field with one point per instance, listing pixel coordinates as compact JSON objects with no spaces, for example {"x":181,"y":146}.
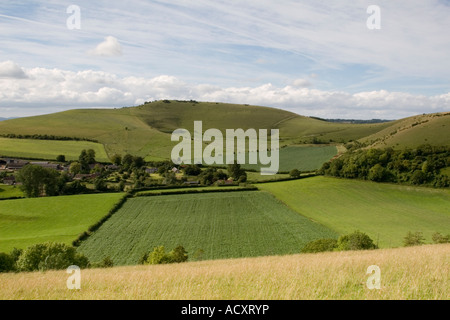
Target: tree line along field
{"x":386,"y":212}
{"x":419,"y":272}
{"x":24,"y":222}
{"x":223,"y":225}
{"x":49,"y":149}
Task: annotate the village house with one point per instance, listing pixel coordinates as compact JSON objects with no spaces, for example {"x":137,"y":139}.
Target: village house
{"x":175,"y":170}
{"x":48,"y":165}
{"x":10,"y":180}
{"x":13,"y":164}
{"x":151,"y":170}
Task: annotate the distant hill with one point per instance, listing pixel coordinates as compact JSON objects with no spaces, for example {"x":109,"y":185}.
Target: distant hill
{"x":410,"y":132}
{"x":145,"y":130}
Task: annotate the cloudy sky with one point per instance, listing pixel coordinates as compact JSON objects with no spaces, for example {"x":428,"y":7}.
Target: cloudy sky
{"x":315,"y":58}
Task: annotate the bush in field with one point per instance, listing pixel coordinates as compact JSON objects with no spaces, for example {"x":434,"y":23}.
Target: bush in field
{"x":294,"y":173}
{"x":178,"y":255}
{"x":159,"y":256}
{"x":439,"y":238}
{"x":355,"y":241}
{"x":6,"y":262}
{"x":413,"y":239}
{"x":50,"y":256}
{"x":105,"y":263}
{"x":320,"y":245}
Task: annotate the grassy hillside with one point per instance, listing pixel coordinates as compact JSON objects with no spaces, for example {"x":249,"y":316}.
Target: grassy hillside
{"x":145,"y":130}
{"x":406,"y":273}
{"x":224,"y":225}
{"x":386,"y":212}
{"x":24,"y":222}
{"x":49,"y":149}
{"x":411,"y":132}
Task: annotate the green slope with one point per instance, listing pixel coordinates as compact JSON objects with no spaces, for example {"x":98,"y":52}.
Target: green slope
{"x":145,"y":130}
{"x":411,"y":132}
{"x":386,"y":212}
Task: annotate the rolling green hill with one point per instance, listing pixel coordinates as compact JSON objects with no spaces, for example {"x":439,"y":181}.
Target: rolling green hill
{"x":145,"y":130}
{"x":411,"y":132}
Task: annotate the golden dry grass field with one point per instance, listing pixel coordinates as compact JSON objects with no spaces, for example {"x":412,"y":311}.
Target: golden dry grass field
{"x":420,"y":272}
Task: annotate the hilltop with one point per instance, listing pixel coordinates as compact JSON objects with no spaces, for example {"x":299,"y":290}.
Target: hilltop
{"x":145,"y":130}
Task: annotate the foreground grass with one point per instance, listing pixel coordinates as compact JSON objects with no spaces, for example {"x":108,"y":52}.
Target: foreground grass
{"x":49,"y":149}
{"x":223,"y":225}
{"x":406,"y":273}
{"x":386,"y":212}
{"x":25,"y":222}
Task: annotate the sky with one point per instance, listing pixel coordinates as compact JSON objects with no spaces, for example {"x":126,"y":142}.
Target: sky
{"x":314,"y":58}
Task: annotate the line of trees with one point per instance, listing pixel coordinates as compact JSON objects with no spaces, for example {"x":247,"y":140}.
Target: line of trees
{"x":420,"y":166}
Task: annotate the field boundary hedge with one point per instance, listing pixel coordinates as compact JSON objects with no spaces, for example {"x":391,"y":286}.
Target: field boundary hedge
{"x":206,"y":190}
{"x":286,"y":179}
{"x":83,"y":236}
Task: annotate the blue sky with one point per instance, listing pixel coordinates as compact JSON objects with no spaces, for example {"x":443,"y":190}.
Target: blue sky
{"x":315,"y":58}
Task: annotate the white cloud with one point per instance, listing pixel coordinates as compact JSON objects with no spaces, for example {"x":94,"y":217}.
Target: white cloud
{"x":9,"y":69}
{"x":108,"y":48}
{"x":49,"y":89}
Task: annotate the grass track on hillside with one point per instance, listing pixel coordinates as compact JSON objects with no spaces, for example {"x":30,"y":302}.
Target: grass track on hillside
{"x":224,"y":225}
{"x":24,"y":222}
{"x":386,"y":212}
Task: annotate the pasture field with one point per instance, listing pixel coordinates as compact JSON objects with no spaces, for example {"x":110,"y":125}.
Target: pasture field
{"x":7,"y":191}
{"x":24,"y":222}
{"x":406,"y":273}
{"x":223,"y":225}
{"x":386,"y":212}
{"x":303,"y":158}
{"x":49,"y":149}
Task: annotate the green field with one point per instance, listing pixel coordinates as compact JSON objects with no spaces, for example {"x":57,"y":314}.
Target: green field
{"x":386,"y":212}
{"x":49,"y":149}
{"x":7,"y":191}
{"x":303,"y":158}
{"x":224,"y":225}
{"x":24,"y":222}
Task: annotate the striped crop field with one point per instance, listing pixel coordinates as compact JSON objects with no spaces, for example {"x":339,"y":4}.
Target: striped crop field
{"x":223,"y":225}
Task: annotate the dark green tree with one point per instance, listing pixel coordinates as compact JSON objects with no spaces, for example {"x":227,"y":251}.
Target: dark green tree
{"x":38,"y":181}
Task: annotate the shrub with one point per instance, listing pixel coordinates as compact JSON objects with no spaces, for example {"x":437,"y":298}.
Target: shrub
{"x":294,"y":173}
{"x":7,"y":263}
{"x":178,"y":255}
{"x":355,"y":241}
{"x":413,"y":239}
{"x":320,"y":245}
{"x":50,"y":256}
{"x":105,"y":263}
{"x":159,"y":256}
{"x":439,"y":238}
